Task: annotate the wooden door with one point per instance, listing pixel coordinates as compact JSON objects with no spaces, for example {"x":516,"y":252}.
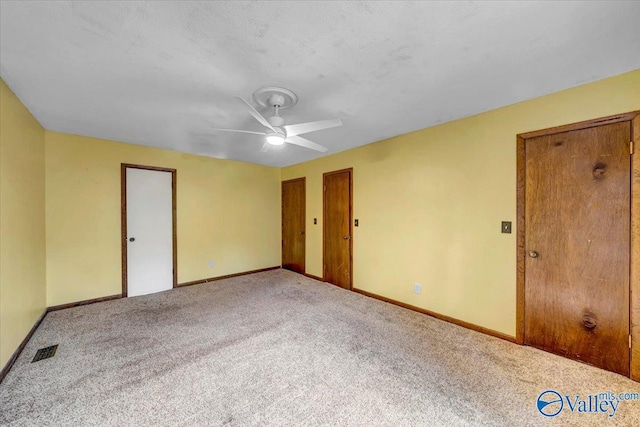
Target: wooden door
{"x":577,"y":244}
{"x":293,"y":225}
{"x":337,"y":228}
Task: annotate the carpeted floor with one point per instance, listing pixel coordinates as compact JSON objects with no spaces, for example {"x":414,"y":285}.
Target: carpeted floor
{"x":277,"y":348}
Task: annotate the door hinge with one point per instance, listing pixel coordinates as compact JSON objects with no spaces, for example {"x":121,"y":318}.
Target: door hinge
{"x":631,"y":147}
{"x":629,"y":340}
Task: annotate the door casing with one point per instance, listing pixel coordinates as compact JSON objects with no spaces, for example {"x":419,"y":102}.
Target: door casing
{"x":123,"y":219}
{"x":634,"y":268}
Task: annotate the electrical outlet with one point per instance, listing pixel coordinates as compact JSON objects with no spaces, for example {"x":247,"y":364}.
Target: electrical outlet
{"x":211,"y":264}
{"x":417,"y":288}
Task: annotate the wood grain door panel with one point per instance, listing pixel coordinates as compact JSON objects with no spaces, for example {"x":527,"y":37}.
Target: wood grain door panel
{"x":293,"y":225}
{"x":337,"y":228}
{"x":577,"y":236}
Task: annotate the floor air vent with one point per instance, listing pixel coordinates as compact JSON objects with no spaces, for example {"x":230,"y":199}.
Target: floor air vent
{"x":45,"y":353}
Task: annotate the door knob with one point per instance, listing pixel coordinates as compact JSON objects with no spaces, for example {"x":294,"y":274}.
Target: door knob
{"x":132,"y":239}
{"x":302,"y":232}
{"x":533,"y":254}
{"x":346,"y":237}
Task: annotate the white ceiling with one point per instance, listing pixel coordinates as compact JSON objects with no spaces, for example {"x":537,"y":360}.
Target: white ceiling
{"x":163,"y":73}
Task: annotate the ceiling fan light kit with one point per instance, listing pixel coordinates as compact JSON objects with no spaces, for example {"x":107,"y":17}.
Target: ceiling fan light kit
{"x":274,"y":138}
{"x":277,"y":133}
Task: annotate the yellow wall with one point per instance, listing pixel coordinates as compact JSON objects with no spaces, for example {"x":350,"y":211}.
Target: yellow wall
{"x":227,"y":211}
{"x":22,"y":222}
{"x":430,"y":203}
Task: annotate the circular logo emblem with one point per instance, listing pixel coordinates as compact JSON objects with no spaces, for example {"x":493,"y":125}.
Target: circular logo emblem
{"x":550,"y":403}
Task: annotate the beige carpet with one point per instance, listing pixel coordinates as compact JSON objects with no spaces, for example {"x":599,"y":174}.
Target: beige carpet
{"x":277,"y":348}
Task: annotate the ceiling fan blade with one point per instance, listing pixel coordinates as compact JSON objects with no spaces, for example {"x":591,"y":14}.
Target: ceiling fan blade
{"x":302,"y":142}
{"x":300,"y":128}
{"x":237,"y":130}
{"x":257,"y":115}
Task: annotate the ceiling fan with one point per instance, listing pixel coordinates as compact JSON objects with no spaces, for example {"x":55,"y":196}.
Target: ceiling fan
{"x":276,"y":132}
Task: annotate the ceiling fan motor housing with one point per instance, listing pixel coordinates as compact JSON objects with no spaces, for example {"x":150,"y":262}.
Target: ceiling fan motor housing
{"x":276,"y":121}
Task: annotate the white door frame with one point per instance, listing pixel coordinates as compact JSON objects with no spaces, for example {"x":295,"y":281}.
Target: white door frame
{"x":123,"y":227}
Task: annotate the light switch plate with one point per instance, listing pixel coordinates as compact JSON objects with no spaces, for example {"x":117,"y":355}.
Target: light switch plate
{"x":506,"y":227}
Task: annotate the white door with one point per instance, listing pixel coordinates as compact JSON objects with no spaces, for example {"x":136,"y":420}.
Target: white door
{"x":149,"y":231}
